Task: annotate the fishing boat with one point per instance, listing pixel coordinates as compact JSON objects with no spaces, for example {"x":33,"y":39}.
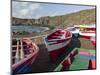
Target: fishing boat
{"x":24,"y":53}
{"x":78,"y":59}
{"x":86,"y":31}
{"x":87,"y":34}
{"x":56,"y":42}
{"x":86,"y":27}
{"x":74,"y":31}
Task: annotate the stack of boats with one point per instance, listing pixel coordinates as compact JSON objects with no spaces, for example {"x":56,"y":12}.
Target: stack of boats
{"x":84,"y":31}
{"x":88,"y":32}
{"x":24,"y":53}
{"x":60,"y":38}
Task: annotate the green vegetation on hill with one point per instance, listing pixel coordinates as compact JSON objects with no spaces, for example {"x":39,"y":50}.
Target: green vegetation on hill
{"x":81,"y":17}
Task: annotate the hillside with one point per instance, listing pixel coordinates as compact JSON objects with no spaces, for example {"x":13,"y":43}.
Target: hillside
{"x":81,"y":17}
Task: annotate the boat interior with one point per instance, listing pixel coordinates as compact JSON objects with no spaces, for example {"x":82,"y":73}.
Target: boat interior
{"x":20,"y":50}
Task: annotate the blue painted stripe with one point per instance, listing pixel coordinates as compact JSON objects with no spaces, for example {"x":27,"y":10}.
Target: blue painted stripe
{"x":24,"y":68}
{"x":87,"y":56}
{"x":75,"y":35}
{"x":46,"y":39}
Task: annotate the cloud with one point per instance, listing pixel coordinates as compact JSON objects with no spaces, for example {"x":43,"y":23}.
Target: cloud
{"x":37,"y":10}
{"x":24,"y":9}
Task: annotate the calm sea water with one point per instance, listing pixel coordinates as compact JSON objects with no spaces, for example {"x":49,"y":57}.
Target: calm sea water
{"x":29,"y":29}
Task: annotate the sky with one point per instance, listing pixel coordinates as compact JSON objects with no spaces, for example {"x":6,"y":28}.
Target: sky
{"x":36,"y":10}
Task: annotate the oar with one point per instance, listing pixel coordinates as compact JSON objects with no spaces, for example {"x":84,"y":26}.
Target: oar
{"x":21,"y":51}
{"x":17,"y":53}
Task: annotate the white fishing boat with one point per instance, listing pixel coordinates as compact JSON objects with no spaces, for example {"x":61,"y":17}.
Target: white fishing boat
{"x":56,"y":41}
{"x":87,"y":34}
{"x":86,"y":31}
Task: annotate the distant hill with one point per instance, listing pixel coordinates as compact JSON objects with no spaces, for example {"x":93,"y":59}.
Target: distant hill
{"x":81,"y":17}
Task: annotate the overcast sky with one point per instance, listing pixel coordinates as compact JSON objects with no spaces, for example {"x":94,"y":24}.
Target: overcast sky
{"x":36,"y":10}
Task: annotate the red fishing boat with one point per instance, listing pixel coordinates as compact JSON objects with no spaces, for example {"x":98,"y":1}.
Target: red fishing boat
{"x":87,"y":34}
{"x":24,"y":53}
{"x":56,"y":41}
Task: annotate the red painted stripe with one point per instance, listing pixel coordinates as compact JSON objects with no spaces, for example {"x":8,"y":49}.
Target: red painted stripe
{"x":71,"y":56}
{"x":56,"y":53}
{"x":68,"y":34}
{"x":93,"y":42}
{"x":66,"y":63}
{"x":59,"y":41}
{"x":89,"y":28}
{"x":92,"y":64}
{"x":86,"y":53}
{"x":56,"y":35}
{"x":83,"y":52}
{"x":86,"y":37}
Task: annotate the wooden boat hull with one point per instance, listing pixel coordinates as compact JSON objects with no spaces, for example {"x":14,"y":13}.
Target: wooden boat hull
{"x":24,"y":65}
{"x":78,"y":59}
{"x":90,"y":36}
{"x":87,"y":34}
{"x":56,"y":46}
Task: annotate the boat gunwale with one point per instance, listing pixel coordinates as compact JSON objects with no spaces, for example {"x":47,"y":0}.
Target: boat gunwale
{"x":33,"y":54}
{"x":66,"y":57}
{"x":60,"y":38}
